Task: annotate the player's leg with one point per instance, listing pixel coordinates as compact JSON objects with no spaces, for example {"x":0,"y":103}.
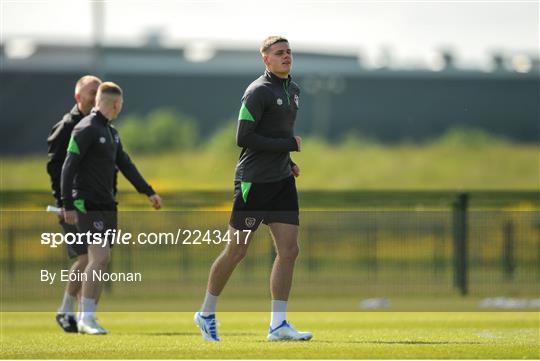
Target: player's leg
{"x":99,"y":256}
{"x":283,"y":222}
{"x":242,"y":218}
{"x":74,"y":287}
{"x":98,"y":260}
{"x":226,"y":262}
{"x":285,"y":238}
{"x":286,"y":242}
{"x":66,"y":316}
{"x":220,"y":272}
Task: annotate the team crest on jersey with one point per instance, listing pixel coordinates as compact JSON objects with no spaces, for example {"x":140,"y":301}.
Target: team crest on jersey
{"x":98,"y":225}
{"x":250,"y":222}
{"x":279,"y":101}
{"x":116,"y":138}
{"x":102,"y":140}
{"x":296,"y":99}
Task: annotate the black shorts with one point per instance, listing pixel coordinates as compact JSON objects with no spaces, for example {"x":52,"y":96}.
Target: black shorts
{"x":275,"y":202}
{"x":95,"y":218}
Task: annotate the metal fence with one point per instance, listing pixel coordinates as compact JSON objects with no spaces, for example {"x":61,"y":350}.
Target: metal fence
{"x":345,"y":256}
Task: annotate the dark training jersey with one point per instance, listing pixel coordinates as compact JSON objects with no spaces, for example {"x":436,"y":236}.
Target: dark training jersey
{"x":57,"y":142}
{"x":266,"y":129}
{"x":93,"y":153}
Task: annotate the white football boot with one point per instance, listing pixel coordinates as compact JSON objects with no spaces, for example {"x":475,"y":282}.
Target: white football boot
{"x":286,"y":332}
{"x":208,"y":326}
{"x":89,"y":326}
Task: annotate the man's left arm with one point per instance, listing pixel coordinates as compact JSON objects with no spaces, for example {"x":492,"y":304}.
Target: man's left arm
{"x":57,"y":142}
{"x":132,"y":174}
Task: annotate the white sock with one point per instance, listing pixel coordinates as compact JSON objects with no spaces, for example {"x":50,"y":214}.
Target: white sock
{"x":87,"y":308}
{"x":279,"y":313}
{"x":209,"y":305}
{"x":68,"y":304}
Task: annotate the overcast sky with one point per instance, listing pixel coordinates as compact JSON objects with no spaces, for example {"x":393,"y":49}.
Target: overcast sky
{"x":409,"y":29}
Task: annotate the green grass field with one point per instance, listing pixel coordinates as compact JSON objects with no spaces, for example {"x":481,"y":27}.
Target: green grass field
{"x":413,"y":335}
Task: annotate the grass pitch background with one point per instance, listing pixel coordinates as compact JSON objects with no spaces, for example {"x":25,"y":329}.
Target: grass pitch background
{"x":376,"y":335}
{"x":458,"y":160}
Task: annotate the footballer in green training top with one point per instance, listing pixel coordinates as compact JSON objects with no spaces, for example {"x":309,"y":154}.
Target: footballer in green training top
{"x":265,"y":189}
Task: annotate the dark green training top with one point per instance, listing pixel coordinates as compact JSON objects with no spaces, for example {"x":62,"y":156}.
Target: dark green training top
{"x":58,"y":141}
{"x":266,"y":129}
{"x":93,"y":153}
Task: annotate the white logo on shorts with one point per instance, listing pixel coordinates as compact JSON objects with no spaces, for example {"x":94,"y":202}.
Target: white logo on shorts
{"x":98,"y":225}
{"x":102,"y":140}
{"x":250,"y":221}
{"x":279,"y":101}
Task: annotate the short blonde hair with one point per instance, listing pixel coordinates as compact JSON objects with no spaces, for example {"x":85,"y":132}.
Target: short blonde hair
{"x":109,"y":88}
{"x":108,"y":92}
{"x":85,"y":80}
{"x":271,"y":40}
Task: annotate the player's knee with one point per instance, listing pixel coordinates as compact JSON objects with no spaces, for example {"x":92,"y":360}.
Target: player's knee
{"x":289,"y":253}
{"x":103,"y":259}
{"x":236,"y":254}
{"x":81,"y":262}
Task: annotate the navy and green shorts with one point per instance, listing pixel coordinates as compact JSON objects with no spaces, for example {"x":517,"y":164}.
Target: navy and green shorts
{"x":93,"y":218}
{"x":256,"y":203}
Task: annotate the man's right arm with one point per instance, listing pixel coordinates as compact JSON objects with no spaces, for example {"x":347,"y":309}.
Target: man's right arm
{"x":253,"y":105}
{"x":57,"y":141}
